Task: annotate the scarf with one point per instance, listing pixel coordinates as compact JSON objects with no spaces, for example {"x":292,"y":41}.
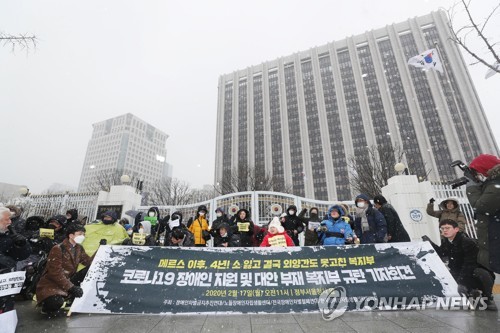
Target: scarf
{"x":361,"y":212}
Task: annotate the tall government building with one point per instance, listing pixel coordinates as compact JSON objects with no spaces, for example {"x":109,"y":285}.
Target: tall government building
{"x":300,"y":117}
{"x":125,"y":145}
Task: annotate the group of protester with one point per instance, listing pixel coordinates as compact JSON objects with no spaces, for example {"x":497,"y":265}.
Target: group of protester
{"x":71,"y":244}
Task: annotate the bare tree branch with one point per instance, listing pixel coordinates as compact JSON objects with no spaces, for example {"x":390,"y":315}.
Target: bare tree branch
{"x":459,"y":36}
{"x":24,"y":41}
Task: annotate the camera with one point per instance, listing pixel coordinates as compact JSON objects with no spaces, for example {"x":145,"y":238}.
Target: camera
{"x":469,"y":174}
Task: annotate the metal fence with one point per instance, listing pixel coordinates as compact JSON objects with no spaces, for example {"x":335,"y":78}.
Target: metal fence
{"x":47,"y":205}
{"x":442,"y":192}
{"x":262,"y":205}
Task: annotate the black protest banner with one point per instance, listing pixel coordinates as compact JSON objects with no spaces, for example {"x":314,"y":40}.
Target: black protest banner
{"x":132,"y":279}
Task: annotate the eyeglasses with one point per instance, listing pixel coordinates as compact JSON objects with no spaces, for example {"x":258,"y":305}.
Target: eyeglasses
{"x":445,"y":228}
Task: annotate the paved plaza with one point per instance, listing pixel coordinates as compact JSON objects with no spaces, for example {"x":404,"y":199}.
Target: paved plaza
{"x":30,"y":320}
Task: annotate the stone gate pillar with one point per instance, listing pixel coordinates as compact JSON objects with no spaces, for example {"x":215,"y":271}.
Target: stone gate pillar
{"x":410,"y":197}
{"x":120,"y":199}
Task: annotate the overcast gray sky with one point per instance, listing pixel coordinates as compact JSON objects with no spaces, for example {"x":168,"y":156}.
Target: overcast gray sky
{"x":160,"y":60}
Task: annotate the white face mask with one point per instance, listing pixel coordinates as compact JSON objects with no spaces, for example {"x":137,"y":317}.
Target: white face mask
{"x":291,"y":212}
{"x":141,"y":231}
{"x":174,"y":223}
{"x":360,"y":204}
{"x":201,"y":213}
{"x":219,"y":214}
{"x":151,"y":214}
{"x":79,"y":239}
{"x":130,"y":232}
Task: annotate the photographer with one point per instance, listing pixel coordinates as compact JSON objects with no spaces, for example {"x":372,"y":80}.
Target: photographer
{"x":485,"y":199}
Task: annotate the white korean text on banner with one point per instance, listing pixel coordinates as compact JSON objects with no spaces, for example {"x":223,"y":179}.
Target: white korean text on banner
{"x":133,"y":279}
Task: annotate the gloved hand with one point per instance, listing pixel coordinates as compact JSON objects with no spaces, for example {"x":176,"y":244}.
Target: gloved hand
{"x":19,"y":240}
{"x":426,"y":238}
{"x":431,"y":201}
{"x":462,"y":290}
{"x":164,"y":221}
{"x":103,"y":242}
{"x":303,"y":211}
{"x":76,"y":291}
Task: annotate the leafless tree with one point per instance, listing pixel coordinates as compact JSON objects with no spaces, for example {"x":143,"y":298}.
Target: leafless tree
{"x":170,"y":192}
{"x":369,"y":172}
{"x":104,"y":179}
{"x":477,"y":28}
{"x":22,"y":41}
{"x":248,"y":178}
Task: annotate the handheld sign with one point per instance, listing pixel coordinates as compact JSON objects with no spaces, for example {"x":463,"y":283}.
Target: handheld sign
{"x":243,"y":226}
{"x":46,"y":233}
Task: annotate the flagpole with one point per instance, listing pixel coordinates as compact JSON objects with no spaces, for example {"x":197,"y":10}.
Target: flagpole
{"x":448,"y":81}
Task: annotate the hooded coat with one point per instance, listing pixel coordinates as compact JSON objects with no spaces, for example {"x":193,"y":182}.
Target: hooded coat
{"x":377,"y":225}
{"x":485,"y":199}
{"x":293,"y":223}
{"x":74,"y":215}
{"x":338,"y":230}
{"x":214,"y":230}
{"x":231,"y":239}
{"x":62,"y":264}
{"x":198,"y":225}
{"x":149,"y":240}
{"x":114,"y":234}
{"x":245,"y":236}
{"x":395,"y":228}
{"x":310,"y":236}
{"x":448,"y":214}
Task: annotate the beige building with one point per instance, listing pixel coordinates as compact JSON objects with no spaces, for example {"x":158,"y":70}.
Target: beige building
{"x":300,"y":117}
{"x":125,"y":145}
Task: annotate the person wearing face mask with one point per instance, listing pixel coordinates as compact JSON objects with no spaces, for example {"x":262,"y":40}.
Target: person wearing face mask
{"x":58,"y":224}
{"x":60,"y":281}
{"x":105,"y":232}
{"x":142,"y":237}
{"x":128,"y":228}
{"x":312,"y":223}
{"x":293,"y":224}
{"x":335,"y":230}
{"x":227,"y":238}
{"x":221,"y":218}
{"x":176,"y":232}
{"x":198,"y":226}
{"x":369,"y":223}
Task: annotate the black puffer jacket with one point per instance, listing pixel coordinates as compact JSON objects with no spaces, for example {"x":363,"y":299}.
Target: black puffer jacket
{"x":311,"y":236}
{"x":293,"y":223}
{"x":245,"y":236}
{"x":395,"y":228}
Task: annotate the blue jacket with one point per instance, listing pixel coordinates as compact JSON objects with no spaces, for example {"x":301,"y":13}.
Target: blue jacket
{"x":377,"y":223}
{"x":338,"y":226}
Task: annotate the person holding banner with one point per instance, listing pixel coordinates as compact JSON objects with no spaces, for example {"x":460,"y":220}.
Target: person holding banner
{"x":245,"y":227}
{"x":276,"y":235}
{"x":335,"y":230}
{"x":370,"y":224}
{"x":199,"y":227}
{"x":60,"y":281}
{"x":396,"y":231}
{"x":142,"y":237}
{"x":312,"y":223}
